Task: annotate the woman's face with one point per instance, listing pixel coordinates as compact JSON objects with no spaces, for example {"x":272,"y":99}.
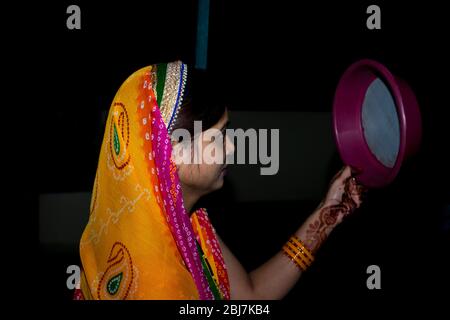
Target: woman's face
{"x":207,"y":176}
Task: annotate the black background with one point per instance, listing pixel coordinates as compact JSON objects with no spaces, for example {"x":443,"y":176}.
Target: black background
{"x":273,"y":56}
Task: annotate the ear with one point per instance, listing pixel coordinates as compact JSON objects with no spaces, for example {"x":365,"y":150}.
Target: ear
{"x":175,"y":145}
{"x":173,"y":142}
{"x":180,"y":153}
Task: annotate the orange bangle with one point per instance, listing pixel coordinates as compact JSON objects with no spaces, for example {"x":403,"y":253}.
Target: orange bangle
{"x":298,"y":253}
{"x":296,"y":261}
{"x":301,"y":246}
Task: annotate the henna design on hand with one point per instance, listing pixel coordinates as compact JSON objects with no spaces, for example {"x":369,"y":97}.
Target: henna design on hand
{"x":331,"y":215}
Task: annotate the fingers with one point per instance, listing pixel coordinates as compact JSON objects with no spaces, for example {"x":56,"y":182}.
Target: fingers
{"x":356,"y":191}
{"x":337,"y":175}
{"x":347,"y":172}
{"x":341,"y":176}
{"x":344,"y":175}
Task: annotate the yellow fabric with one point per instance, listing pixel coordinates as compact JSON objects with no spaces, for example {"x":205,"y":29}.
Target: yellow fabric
{"x":127,"y":238}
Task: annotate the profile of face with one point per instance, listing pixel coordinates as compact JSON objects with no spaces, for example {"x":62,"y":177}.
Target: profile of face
{"x":207,"y":175}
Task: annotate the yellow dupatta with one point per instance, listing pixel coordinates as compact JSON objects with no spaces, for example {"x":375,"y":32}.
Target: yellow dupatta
{"x":139,"y":242}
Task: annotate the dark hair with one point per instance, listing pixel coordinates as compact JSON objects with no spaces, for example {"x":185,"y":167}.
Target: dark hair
{"x":202,"y":100}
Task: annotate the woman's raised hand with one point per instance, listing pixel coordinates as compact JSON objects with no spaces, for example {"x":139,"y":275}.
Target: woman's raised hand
{"x":344,"y":193}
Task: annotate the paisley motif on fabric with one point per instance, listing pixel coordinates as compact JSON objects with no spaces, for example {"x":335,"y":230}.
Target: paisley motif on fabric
{"x":119,"y":136}
{"x":117,"y":280}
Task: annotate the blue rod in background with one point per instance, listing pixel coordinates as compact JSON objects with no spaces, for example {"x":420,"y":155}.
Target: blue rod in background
{"x":201,"y":49}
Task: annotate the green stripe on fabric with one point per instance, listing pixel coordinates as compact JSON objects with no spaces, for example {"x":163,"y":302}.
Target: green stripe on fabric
{"x":212,"y":284}
{"x":161,"y":70}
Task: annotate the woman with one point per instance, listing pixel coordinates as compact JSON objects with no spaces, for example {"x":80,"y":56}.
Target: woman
{"x":142,"y":240}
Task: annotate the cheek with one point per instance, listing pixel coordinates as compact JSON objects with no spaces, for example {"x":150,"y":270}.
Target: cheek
{"x":188,"y":174}
{"x":201,"y":176}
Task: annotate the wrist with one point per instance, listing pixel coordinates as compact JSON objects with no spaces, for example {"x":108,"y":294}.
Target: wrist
{"x":319,"y":225}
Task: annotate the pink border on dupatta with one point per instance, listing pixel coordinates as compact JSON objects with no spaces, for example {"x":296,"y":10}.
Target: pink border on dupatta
{"x":169,"y":185}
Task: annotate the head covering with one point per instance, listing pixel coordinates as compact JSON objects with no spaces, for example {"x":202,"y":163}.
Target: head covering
{"x":139,"y":242}
{"x":170,"y":83}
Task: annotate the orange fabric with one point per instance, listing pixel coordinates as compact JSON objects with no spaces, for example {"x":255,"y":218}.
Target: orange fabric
{"x":127,"y":233}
